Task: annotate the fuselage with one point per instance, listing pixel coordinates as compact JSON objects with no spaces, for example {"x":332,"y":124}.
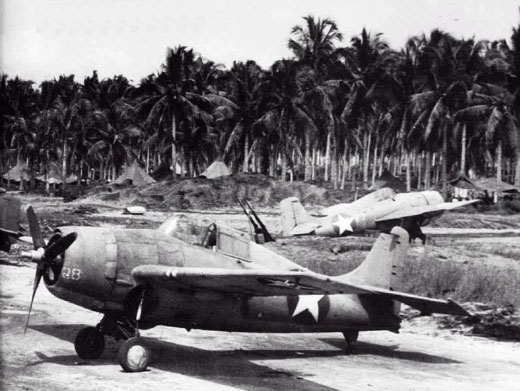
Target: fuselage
{"x":97,"y":275}
{"x":346,"y":219}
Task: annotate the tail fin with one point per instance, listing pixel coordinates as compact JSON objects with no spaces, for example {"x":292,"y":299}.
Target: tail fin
{"x":383,"y":266}
{"x":293,"y":214}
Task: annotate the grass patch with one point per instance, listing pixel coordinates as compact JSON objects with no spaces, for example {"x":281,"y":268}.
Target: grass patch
{"x":483,"y":283}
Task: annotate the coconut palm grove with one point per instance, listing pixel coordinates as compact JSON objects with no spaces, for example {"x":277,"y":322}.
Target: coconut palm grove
{"x":339,"y":110}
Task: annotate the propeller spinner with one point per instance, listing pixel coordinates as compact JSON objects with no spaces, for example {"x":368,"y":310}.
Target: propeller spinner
{"x":45,"y":256}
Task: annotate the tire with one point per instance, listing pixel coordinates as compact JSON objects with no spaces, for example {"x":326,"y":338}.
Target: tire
{"x":134,"y":355}
{"x":89,"y":343}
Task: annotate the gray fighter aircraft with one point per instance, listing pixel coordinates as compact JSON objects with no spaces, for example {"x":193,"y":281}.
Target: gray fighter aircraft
{"x":381,"y":210}
{"x":10,"y":213}
{"x":141,"y":278}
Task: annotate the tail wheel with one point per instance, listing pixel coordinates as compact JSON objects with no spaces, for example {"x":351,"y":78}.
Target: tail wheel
{"x":351,"y":336}
{"x":134,"y":355}
{"x":89,"y":343}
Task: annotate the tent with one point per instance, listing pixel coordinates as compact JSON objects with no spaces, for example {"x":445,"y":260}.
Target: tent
{"x":55,"y":176}
{"x":135,"y":175}
{"x":388,"y":180}
{"x":17,"y":173}
{"x":215,"y":170}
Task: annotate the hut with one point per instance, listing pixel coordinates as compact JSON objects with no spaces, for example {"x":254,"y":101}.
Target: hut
{"x":497,"y":190}
{"x":55,"y":176}
{"x":463,"y":188}
{"x":134,"y":175}
{"x":215,"y":170}
{"x":18,"y":173}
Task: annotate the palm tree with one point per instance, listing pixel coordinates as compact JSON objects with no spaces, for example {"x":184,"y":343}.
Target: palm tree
{"x":313,"y":43}
{"x":447,"y":67}
{"x":235,"y":111}
{"x":174,"y":103}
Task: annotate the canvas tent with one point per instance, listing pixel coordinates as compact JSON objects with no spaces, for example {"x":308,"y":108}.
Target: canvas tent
{"x":388,"y":180}
{"x":216,"y":170}
{"x":55,"y":176}
{"x":135,"y":175}
{"x":17,"y":173}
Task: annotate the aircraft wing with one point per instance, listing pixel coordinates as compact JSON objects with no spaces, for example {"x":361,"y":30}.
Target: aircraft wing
{"x":259,"y":282}
{"x":255,"y":282}
{"x":424,"y":210}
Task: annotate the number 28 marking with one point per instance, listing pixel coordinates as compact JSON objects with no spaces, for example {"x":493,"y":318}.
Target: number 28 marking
{"x":71,"y":273}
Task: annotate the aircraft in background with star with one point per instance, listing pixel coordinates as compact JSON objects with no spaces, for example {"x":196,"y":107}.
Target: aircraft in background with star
{"x":141,"y":278}
{"x":381,"y":210}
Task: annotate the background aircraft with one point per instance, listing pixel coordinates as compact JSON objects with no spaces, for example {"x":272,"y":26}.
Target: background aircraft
{"x":380,"y":210}
{"x":10,"y":213}
{"x":141,"y":278}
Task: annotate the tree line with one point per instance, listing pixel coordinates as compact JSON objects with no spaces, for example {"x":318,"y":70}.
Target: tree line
{"x":331,"y":112}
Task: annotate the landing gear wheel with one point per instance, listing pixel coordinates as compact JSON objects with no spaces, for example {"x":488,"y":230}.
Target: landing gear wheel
{"x":89,"y":343}
{"x":134,"y":355}
{"x":351,"y":337}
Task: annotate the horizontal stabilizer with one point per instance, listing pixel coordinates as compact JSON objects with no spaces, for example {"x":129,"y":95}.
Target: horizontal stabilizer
{"x":425,"y":304}
{"x":304,"y":229}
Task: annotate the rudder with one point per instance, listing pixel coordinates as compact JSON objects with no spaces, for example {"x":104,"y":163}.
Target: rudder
{"x":293,"y":214}
{"x":383,"y":266}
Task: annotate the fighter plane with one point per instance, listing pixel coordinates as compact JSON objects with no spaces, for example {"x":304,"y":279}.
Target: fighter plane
{"x":9,"y":221}
{"x":141,"y":278}
{"x":381,"y":210}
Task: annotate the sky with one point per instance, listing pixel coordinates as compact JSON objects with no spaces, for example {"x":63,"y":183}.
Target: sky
{"x":42,"y":39}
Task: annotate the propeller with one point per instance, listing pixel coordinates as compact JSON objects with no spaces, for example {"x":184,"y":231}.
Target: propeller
{"x":45,"y":256}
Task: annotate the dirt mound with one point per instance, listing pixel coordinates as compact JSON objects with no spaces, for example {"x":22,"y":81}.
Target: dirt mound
{"x":261,"y":190}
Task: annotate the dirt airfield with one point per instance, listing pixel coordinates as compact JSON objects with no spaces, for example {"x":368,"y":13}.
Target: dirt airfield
{"x":423,"y":356}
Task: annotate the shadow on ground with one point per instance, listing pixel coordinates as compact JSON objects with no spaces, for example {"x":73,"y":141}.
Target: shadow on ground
{"x":229,"y":367}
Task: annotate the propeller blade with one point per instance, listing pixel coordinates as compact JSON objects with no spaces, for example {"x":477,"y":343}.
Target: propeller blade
{"x":34,"y":228}
{"x":37,"y":279}
{"x":59,"y":246}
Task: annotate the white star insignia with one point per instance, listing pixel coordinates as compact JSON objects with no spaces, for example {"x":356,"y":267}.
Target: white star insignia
{"x":343,"y":224}
{"x":309,"y":303}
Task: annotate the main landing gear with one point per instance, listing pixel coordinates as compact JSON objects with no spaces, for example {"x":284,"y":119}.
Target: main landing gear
{"x":351,"y":337}
{"x":134,"y":355}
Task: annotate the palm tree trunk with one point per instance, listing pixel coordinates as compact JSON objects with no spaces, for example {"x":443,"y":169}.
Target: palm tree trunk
{"x":419,"y":170}
{"x":307,"y":163}
{"x":463,"y":151}
{"x":344,"y":168}
{"x":366,"y":157}
{"x":374,"y":164}
{"x":381,"y":161}
{"x":517,"y":166}
{"x":334,"y":163}
{"x":408,"y":171}
{"x":428,"y":170}
{"x":174,"y":148}
{"x":284,"y":166}
{"x":64,"y":162}
{"x":314,"y":161}
{"x":499,"y":161}
{"x":327,"y":159}
{"x":245,"y":167}
{"x":445,"y":162}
